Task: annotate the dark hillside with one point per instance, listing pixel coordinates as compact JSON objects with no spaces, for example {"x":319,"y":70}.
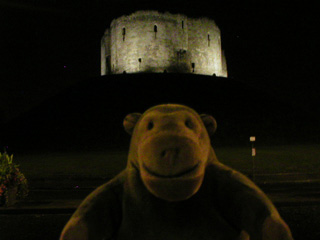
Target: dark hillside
{"x":89,"y":114}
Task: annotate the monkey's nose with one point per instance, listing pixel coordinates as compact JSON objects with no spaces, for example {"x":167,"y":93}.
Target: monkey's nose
{"x":170,"y":155}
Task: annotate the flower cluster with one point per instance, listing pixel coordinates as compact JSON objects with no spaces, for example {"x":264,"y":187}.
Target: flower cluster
{"x":11,"y":177}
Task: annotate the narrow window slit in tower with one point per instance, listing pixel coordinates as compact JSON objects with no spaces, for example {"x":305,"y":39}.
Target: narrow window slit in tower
{"x":139,"y":60}
{"x":123,"y":33}
{"x":182,"y":24}
{"x":208,"y":40}
{"x":193,"y":66}
{"x":155,"y":29}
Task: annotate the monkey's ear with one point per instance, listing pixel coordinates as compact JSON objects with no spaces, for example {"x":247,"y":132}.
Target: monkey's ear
{"x":210,"y":123}
{"x":130,"y":122}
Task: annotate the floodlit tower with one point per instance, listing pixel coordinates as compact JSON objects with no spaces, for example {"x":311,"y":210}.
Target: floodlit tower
{"x":149,"y":41}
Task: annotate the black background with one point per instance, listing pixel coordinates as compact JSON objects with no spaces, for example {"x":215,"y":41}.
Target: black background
{"x":48,"y":46}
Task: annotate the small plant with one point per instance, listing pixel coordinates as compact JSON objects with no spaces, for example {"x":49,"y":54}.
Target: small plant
{"x":11,"y":178}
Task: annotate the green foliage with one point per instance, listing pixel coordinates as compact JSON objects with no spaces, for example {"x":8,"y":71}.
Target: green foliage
{"x":10,"y":177}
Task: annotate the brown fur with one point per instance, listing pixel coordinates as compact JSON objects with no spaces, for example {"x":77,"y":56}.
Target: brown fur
{"x":179,"y":133}
{"x":175,"y":188}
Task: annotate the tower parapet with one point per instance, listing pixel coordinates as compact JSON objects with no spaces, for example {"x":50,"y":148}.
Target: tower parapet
{"x":149,"y":41}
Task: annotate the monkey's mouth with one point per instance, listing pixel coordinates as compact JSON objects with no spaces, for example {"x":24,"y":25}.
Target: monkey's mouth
{"x":177,"y":175}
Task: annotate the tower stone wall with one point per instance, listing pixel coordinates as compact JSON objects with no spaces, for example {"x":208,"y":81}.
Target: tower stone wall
{"x":149,"y":41}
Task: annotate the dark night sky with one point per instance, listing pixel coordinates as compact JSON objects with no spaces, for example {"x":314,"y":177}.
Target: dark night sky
{"x":48,"y":45}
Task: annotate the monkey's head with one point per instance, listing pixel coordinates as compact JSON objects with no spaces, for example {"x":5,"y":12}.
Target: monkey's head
{"x":170,"y":147}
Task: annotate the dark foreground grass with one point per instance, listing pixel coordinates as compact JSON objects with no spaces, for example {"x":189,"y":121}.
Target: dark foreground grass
{"x":273,"y":159}
{"x":269,"y":160}
{"x":72,"y":164}
{"x":303,"y":221}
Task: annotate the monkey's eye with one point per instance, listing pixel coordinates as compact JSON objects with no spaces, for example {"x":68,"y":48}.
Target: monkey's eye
{"x":189,"y":124}
{"x":150,"y":125}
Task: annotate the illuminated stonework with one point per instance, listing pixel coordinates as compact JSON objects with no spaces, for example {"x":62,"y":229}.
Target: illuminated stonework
{"x":149,"y":41}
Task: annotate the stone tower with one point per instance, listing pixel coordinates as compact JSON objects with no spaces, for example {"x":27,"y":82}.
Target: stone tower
{"x":149,"y":41}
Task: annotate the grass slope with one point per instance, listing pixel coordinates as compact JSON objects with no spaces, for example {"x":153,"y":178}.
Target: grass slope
{"x":269,"y":160}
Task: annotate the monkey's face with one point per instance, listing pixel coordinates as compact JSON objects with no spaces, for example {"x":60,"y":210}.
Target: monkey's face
{"x":172,"y":149}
